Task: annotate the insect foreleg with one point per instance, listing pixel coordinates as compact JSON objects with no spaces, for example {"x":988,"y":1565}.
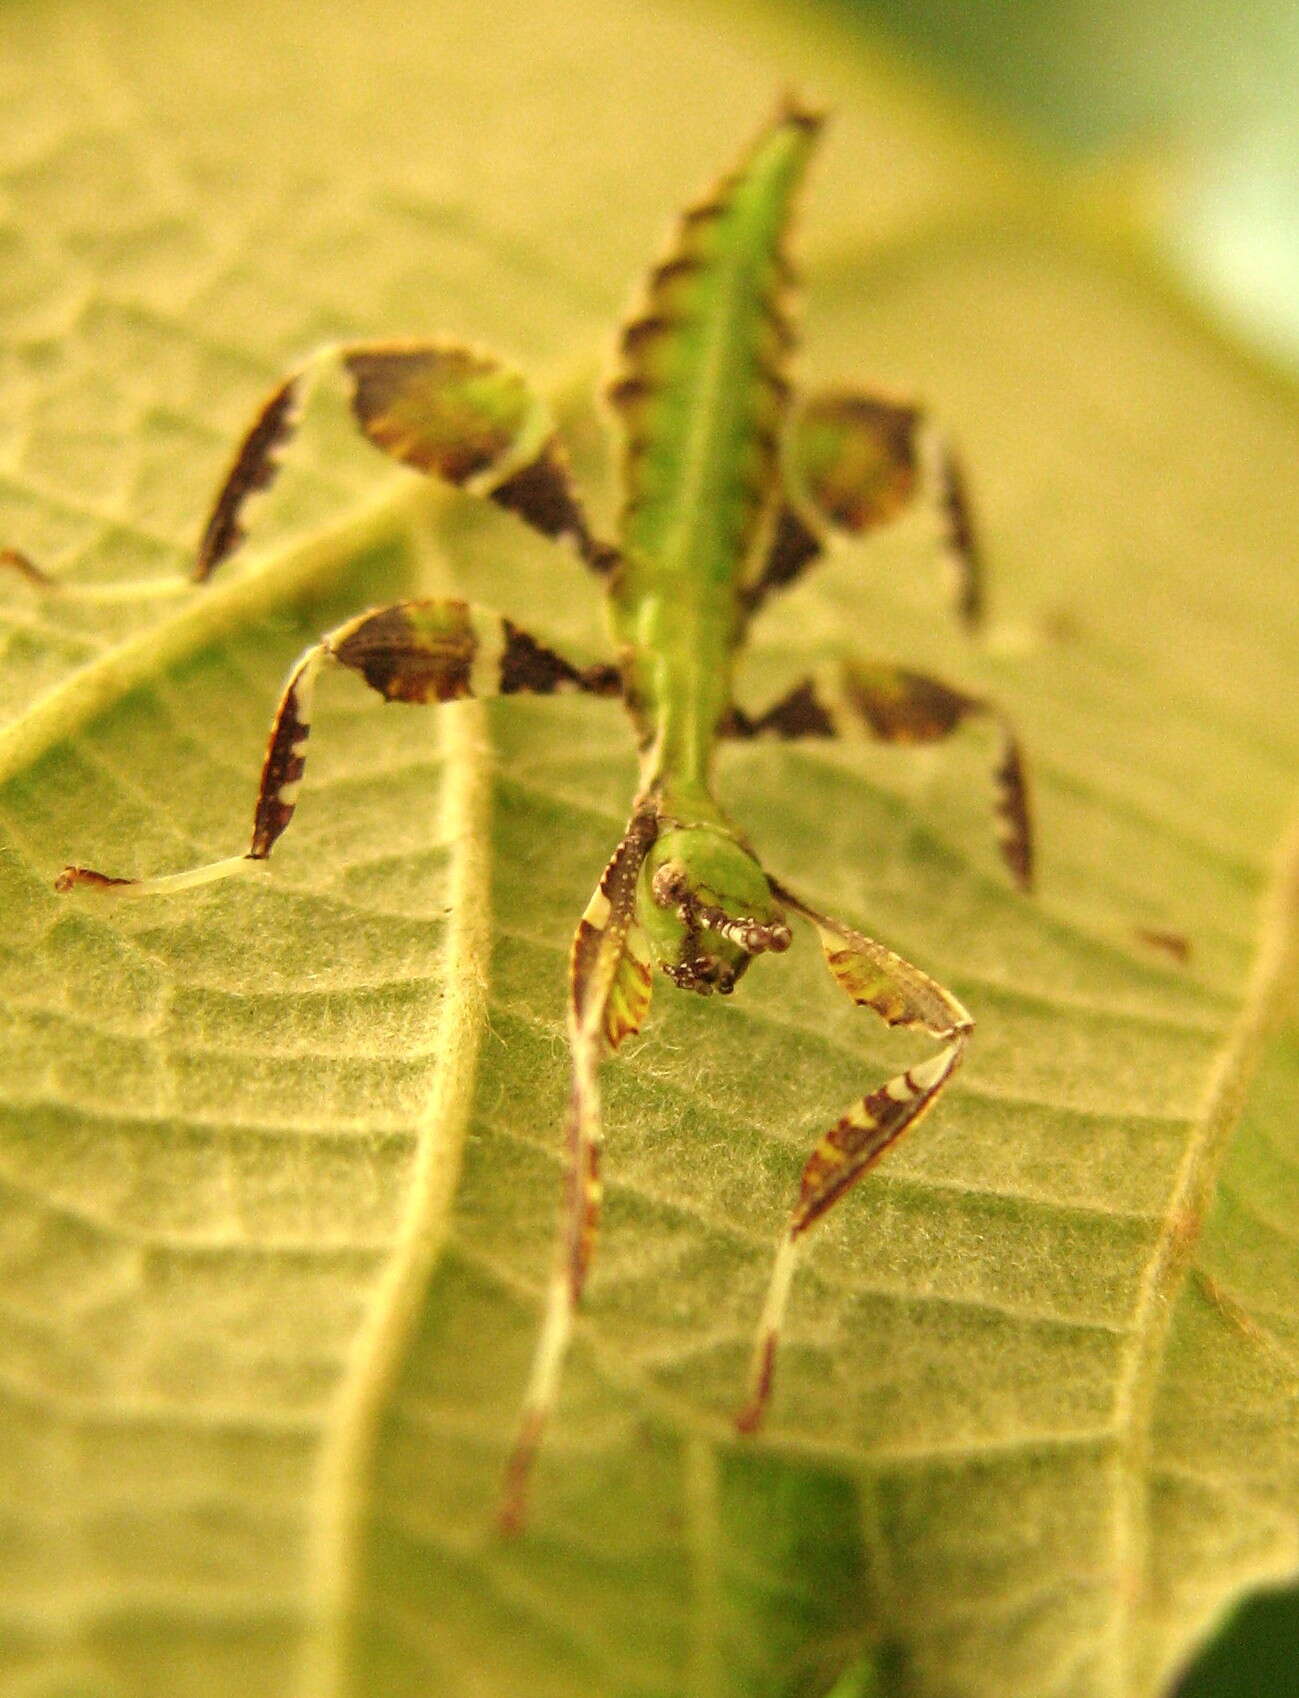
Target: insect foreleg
{"x":874,"y":977}
{"x":414,"y":651}
{"x":609,"y":995}
{"x":899,"y":706}
{"x":853,"y":461}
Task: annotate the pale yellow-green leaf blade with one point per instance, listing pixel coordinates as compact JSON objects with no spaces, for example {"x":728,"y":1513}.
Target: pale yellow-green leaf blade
{"x":280,"y":1160}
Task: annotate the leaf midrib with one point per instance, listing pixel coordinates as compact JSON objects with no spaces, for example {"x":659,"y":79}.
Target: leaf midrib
{"x":335,"y":1556}
{"x":268,"y":578}
{"x":1275,"y":969}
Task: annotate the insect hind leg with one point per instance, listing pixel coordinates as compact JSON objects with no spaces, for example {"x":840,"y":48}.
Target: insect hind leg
{"x":430,"y":651}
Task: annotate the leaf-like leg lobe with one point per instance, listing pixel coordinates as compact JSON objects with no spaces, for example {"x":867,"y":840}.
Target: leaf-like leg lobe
{"x":896,"y":705}
{"x":441,"y":408}
{"x":854,"y":461}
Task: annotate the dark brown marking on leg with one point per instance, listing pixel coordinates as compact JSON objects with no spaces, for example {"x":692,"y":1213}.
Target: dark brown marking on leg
{"x":282,"y":771}
{"x":794,"y":547}
{"x":413,"y":652}
{"x":542,"y":495}
{"x":1014,"y":817}
{"x":71,"y":877}
{"x":254,"y":468}
{"x":962,"y":540}
{"x":1173,"y":944}
{"x":529,"y":665}
{"x":750,"y":1417}
{"x":512,"y":1515}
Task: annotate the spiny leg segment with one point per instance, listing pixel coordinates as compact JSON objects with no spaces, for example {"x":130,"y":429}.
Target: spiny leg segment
{"x":874,"y":977}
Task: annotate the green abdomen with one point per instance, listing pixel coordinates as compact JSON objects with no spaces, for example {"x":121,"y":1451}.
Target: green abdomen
{"x":702,"y":394}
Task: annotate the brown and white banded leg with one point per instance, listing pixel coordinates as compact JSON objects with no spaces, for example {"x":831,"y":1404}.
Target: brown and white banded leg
{"x":852,"y":462}
{"x":610,"y":985}
{"x":899,"y":706}
{"x":429,"y":651}
{"x":874,"y":977}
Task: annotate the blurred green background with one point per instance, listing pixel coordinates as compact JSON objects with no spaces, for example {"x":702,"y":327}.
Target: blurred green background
{"x":1191,"y":106}
{"x":1197,"y":95}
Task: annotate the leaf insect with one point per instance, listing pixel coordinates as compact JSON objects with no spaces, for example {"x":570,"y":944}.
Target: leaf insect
{"x":729,"y":491}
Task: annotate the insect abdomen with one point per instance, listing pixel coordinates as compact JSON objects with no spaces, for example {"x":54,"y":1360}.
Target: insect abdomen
{"x":702,"y":393}
{"x":702,"y":387}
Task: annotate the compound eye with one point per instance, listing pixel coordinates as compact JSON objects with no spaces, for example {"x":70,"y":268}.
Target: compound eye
{"x":670,"y":884}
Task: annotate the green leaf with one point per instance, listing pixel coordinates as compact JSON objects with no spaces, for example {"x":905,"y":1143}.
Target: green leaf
{"x":280,"y":1159}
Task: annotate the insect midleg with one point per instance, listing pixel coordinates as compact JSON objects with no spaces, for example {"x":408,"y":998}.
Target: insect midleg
{"x":609,"y":994}
{"x":430,"y":651}
{"x":896,"y":705}
{"x":852,"y":462}
{"x":901,"y":995}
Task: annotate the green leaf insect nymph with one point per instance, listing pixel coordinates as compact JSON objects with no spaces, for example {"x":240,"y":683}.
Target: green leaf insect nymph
{"x":730,"y":487}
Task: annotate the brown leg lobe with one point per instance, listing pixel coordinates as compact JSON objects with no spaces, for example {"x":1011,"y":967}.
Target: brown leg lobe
{"x":899,"y":706}
{"x":253,"y":469}
{"x":855,"y":461}
{"x":901,"y":995}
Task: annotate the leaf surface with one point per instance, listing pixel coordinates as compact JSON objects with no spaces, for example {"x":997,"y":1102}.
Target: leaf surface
{"x":280,"y":1159}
